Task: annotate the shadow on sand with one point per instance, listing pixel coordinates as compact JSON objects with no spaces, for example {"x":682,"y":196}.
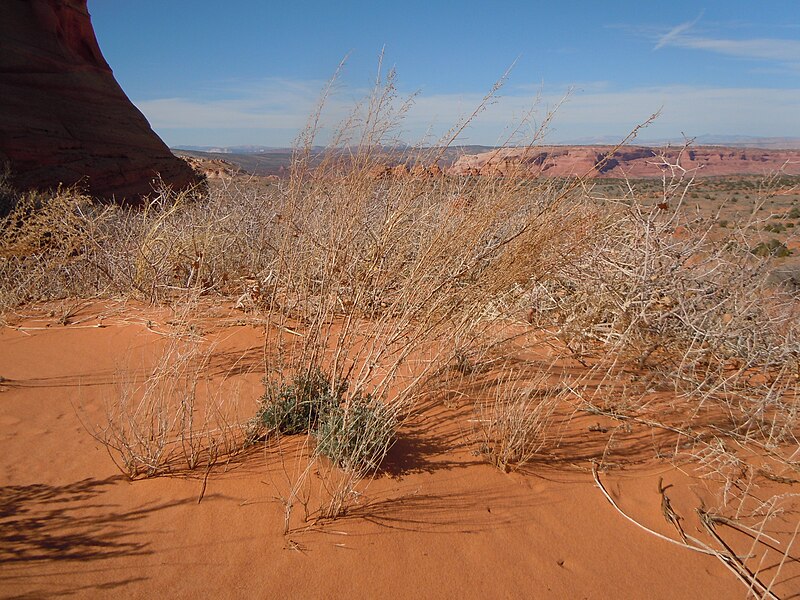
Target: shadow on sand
{"x":52,"y":525}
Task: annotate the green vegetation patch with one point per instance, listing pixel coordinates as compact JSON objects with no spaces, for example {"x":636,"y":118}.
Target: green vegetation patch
{"x":355,"y":432}
{"x":773,"y":247}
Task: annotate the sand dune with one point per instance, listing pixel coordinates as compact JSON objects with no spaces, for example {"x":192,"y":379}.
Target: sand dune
{"x":437,"y":522}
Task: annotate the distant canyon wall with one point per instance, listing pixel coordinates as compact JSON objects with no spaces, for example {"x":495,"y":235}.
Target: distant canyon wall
{"x":64,"y":120}
{"x":628,"y":161}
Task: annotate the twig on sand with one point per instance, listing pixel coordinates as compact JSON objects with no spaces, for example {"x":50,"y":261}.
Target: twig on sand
{"x":745,"y":575}
{"x":701,"y":550}
{"x":296,"y":546}
{"x":205,"y":482}
{"x":742,"y":527}
{"x":24,"y":329}
{"x":666,"y":508}
{"x":728,"y":558}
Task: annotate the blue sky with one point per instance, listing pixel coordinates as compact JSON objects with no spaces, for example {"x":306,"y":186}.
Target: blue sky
{"x":250,"y":72}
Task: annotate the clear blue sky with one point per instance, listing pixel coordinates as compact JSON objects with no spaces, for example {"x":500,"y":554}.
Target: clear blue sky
{"x":250,"y":72}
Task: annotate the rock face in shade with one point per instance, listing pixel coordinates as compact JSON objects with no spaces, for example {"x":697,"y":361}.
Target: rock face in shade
{"x":63,"y":117}
{"x":630,"y":161}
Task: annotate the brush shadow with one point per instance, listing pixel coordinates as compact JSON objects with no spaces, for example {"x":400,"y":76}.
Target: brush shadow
{"x":64,"y":524}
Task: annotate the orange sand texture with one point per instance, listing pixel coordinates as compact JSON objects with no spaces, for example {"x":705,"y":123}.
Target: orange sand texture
{"x":437,"y":521}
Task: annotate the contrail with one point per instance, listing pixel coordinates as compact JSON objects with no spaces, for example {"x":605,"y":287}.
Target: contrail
{"x":676,"y":31}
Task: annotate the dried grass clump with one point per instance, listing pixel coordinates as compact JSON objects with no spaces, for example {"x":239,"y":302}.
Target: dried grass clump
{"x":61,"y":244}
{"x":516,"y":424}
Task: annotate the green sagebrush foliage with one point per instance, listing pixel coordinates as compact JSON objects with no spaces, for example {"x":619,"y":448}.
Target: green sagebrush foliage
{"x":356,"y":436}
{"x":295,"y":407}
{"x":354,"y":432}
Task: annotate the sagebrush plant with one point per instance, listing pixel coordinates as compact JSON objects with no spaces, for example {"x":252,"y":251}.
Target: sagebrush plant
{"x":296,"y":407}
{"x":356,"y":435}
{"x":354,"y":431}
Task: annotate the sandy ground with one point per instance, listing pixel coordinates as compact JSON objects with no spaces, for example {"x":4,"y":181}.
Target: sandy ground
{"x":439,"y":522}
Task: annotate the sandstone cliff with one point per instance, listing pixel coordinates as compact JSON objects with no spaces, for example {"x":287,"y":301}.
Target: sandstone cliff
{"x":630,"y":161}
{"x":63,"y":117}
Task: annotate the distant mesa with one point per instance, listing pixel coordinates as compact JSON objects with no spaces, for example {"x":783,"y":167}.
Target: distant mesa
{"x":64,"y":120}
{"x":540,"y":161}
{"x":628,"y":161}
{"x":403,"y":171}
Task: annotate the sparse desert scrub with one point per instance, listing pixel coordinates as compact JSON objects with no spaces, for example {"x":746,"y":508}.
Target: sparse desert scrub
{"x":60,"y":244}
{"x":658,"y":297}
{"x":379,"y":293}
{"x":373,"y":281}
{"x":370,"y":272}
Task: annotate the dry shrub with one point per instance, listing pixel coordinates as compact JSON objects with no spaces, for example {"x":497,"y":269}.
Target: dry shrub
{"x":743,"y":506}
{"x":516,"y":424}
{"x":174,"y":420}
{"x":62,"y":245}
{"x":382,"y":282}
{"x":655,"y":294}
{"x":46,"y":241}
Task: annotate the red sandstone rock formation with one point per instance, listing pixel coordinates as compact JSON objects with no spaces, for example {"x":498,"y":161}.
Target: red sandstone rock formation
{"x":420,"y":171}
{"x":631,"y":161}
{"x":213,"y":168}
{"x":379,"y":172}
{"x":63,"y":117}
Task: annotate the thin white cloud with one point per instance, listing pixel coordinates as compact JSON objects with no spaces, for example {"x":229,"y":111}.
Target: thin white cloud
{"x":786,"y":52}
{"x":676,"y":32}
{"x":188,"y":113}
{"x":271,"y":103}
{"x":684,"y":109}
{"x":762,"y":48}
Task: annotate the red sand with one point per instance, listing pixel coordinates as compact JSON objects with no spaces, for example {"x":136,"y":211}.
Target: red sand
{"x":440,"y":523}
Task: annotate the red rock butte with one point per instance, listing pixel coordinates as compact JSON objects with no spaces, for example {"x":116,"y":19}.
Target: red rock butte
{"x":64,"y":120}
